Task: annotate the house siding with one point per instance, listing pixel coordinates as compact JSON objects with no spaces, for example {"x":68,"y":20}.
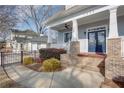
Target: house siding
{"x":121,"y":26}
{"x":83,"y":28}
{"x":83,"y":36}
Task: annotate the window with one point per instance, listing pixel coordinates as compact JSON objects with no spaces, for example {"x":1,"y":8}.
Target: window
{"x":67,"y":36}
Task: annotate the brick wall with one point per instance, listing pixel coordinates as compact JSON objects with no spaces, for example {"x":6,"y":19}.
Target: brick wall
{"x":84,"y":62}
{"x":114,"y":65}
{"x":74,"y":47}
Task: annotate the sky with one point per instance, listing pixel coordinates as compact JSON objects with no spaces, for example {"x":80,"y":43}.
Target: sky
{"x":24,"y":26}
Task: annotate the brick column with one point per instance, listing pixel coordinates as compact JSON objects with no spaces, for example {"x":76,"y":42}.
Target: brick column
{"x":114,"y":65}
{"x":74,"y":47}
{"x":114,"y":47}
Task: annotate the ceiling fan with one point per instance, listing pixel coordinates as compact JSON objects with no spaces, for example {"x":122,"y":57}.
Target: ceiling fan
{"x":67,"y":26}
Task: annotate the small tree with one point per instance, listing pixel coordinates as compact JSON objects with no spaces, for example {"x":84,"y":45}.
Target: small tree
{"x":8,"y":20}
{"x":5,"y":35}
{"x":36,"y":15}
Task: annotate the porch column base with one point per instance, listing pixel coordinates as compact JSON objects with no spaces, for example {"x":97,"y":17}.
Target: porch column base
{"x":114,"y":47}
{"x":74,"y":47}
{"x":114,"y":62}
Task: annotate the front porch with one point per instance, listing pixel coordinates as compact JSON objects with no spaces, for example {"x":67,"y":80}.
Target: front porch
{"x":97,"y":31}
{"x":92,"y":31}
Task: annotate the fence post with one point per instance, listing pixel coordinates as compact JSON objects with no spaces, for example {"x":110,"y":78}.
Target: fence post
{"x":21,"y":56}
{"x":2,"y":59}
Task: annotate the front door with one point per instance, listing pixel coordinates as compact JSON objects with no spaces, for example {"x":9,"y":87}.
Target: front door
{"x":97,"y":41}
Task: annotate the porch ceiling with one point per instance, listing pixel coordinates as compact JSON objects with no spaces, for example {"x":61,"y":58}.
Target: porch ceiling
{"x":90,"y":19}
{"x":94,"y":18}
{"x":68,"y":12}
{"x":84,"y":20}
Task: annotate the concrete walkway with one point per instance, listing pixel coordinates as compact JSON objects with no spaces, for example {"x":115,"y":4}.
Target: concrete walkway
{"x":6,"y":82}
{"x":69,"y":78}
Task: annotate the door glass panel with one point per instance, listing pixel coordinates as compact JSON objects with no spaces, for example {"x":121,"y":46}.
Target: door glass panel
{"x":101,"y":45}
{"x":92,"y":42}
{"x":97,"y":41}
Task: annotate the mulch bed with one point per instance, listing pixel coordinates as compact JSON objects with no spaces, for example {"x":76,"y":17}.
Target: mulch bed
{"x":38,"y":67}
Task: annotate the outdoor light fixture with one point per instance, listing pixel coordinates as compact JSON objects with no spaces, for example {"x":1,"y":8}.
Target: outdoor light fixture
{"x":85,"y":33}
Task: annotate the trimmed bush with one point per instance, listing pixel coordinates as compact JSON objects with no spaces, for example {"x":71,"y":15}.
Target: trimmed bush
{"x":51,"y":64}
{"x":28,"y":60}
{"x":47,"y":53}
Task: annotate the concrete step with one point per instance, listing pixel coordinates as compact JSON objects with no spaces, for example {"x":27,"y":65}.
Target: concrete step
{"x":89,"y":62}
{"x":6,"y":82}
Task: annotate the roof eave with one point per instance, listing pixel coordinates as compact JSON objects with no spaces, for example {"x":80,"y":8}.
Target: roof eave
{"x":66,"y":13}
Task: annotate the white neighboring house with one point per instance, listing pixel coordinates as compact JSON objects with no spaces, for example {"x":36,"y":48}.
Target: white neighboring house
{"x":27,"y":41}
{"x":90,"y":25}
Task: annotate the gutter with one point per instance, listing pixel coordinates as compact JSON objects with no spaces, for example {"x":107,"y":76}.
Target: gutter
{"x":81,"y":15}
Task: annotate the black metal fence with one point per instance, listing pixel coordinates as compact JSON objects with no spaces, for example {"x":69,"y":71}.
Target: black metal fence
{"x":12,"y":58}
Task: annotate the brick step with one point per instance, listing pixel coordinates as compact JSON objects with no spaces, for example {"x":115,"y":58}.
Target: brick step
{"x":84,"y":62}
{"x":93,"y":55}
{"x":112,"y":84}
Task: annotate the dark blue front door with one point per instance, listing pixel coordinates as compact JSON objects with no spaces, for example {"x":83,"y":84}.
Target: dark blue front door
{"x":97,"y":41}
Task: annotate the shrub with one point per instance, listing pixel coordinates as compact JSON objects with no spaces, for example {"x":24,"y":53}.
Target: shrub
{"x":48,"y":53}
{"x":27,"y":60}
{"x":51,"y":64}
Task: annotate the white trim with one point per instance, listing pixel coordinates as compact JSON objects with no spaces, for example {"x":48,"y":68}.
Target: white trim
{"x":122,"y":47}
{"x":74,"y":30}
{"x":113,"y":25}
{"x":57,"y":37}
{"x":49,"y":36}
{"x":83,"y":15}
{"x":106,"y":28}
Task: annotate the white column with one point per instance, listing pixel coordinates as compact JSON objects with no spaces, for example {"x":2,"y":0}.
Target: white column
{"x":75,"y":30}
{"x":113,"y":27}
{"x":49,"y":36}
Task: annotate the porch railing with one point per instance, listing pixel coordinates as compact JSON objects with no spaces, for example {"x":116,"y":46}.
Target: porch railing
{"x":122,"y":47}
{"x":59,"y":45}
{"x":66,"y":46}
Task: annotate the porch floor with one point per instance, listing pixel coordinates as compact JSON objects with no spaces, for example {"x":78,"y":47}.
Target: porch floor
{"x":90,"y":54}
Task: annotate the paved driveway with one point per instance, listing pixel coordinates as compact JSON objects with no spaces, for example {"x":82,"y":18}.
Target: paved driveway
{"x":71,"y":77}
